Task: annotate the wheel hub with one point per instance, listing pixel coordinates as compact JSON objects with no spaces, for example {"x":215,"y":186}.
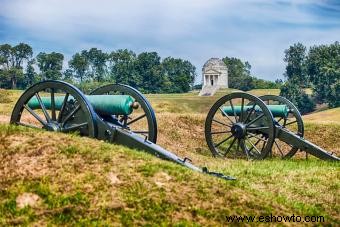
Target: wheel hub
{"x":239,"y":130}
{"x":54,"y":127}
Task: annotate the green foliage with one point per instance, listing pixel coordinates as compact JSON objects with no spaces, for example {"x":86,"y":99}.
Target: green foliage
{"x":50,"y":65}
{"x":123,"y":68}
{"x":11,"y":64}
{"x":324,"y":70}
{"x":240,"y":78}
{"x":293,"y":92}
{"x":334,"y":97}
{"x":150,"y":69}
{"x":79,"y":64}
{"x":265,"y":84}
{"x":320,"y":67}
{"x":31,"y":77}
{"x":295,"y":57}
{"x":180,"y":75}
{"x":96,"y":59}
{"x":238,"y":73}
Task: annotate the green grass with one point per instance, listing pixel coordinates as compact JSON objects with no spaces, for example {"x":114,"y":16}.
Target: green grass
{"x":71,"y":176}
{"x":82,"y":181}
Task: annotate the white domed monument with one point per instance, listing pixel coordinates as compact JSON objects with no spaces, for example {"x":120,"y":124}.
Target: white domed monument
{"x":214,"y":76}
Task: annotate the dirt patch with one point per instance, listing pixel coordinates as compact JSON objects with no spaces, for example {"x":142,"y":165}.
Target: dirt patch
{"x":28,"y":199}
{"x":4,"y":119}
{"x":113,"y":178}
{"x":162,"y":179}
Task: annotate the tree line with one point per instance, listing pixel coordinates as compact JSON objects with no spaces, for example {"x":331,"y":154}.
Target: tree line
{"x":145,"y":71}
{"x":317,"y":68}
{"x":240,"y":77}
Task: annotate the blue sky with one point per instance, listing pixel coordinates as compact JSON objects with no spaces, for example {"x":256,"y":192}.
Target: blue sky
{"x":257,"y":31}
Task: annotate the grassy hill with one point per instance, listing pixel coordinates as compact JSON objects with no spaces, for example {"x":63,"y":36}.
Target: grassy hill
{"x":331,"y":116}
{"x":69,"y":179}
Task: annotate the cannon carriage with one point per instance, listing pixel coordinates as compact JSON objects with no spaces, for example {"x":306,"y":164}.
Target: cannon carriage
{"x":115,"y":113}
{"x":242,"y":125}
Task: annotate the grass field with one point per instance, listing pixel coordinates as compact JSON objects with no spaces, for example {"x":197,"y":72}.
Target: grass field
{"x":73,"y":180}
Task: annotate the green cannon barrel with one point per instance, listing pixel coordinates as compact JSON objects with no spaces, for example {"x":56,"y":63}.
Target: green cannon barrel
{"x":277,"y":110}
{"x":102,"y":104}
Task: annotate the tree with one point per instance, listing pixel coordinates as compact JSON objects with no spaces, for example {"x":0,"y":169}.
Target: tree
{"x":5,"y":56}
{"x":80,"y":65}
{"x":239,"y":74}
{"x":50,"y":65}
{"x":334,"y":98}
{"x":150,"y":69}
{"x":180,"y":75}
{"x":68,"y":75}
{"x":295,"y":57}
{"x":265,"y":84}
{"x":20,"y":53}
{"x":97,"y":63}
{"x":323,"y":66}
{"x":11,"y":62}
{"x":293,"y":92}
{"x":30,"y":75}
{"x":123,"y":65}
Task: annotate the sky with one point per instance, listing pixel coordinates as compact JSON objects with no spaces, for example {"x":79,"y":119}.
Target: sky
{"x":257,"y":31}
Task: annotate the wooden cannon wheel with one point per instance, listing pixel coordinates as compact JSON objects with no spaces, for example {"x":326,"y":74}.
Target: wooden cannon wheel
{"x":249,"y":134}
{"x":75,"y":115}
{"x":142,"y":121}
{"x":292,"y":122}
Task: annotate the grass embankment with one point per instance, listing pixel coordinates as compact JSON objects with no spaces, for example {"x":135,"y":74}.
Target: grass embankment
{"x":70,"y":179}
{"x":82,"y":180}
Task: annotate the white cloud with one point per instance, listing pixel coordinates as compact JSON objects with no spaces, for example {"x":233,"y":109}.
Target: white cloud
{"x":255,"y":30}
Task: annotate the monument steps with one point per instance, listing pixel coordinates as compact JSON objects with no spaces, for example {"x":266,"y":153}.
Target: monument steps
{"x":208,"y":90}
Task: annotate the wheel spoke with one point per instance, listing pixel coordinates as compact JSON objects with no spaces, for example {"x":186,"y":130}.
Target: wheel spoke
{"x":227,"y":151}
{"x":63,"y":107}
{"x":279,"y":119}
{"x":232,"y":107}
{"x":140,"y":132}
{"x":47,"y":116}
{"x":221,"y":123}
{"x":70,"y":114}
{"x":279,"y":148}
{"x":225,"y":114}
{"x":291,"y":123}
{"x":219,"y":132}
{"x":136,"y":119}
{"x":254,"y":146}
{"x":242,"y":106}
{"x":74,"y":127}
{"x":244,"y":147}
{"x":256,"y":136}
{"x":27,"y":125}
{"x":257,"y":142}
{"x":255,"y":119}
{"x":44,"y":123}
{"x":216,"y":145}
{"x":248,"y":115}
{"x":53,"y":105}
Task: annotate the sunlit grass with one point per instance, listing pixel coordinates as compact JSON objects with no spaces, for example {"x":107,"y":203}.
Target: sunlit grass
{"x":73,"y":177}
{"x":83,"y":181}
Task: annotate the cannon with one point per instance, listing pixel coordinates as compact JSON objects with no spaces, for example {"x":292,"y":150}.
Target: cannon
{"x":115,"y":113}
{"x":245,"y":126}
